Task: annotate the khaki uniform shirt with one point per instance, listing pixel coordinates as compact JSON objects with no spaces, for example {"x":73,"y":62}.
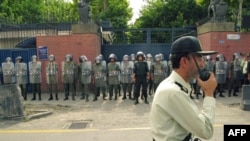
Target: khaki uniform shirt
{"x":174,"y":114}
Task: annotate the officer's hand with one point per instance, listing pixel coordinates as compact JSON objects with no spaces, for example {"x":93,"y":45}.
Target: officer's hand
{"x":208,"y":86}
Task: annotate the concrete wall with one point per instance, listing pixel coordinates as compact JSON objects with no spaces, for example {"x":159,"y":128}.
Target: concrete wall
{"x":75,"y":44}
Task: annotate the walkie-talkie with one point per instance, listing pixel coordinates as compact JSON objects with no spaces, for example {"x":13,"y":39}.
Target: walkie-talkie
{"x":204,"y":75}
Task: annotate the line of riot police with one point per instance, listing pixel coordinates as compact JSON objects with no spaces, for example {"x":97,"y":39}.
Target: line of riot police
{"x":229,"y":75}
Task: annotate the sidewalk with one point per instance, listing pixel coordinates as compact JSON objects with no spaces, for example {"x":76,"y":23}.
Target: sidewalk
{"x":110,"y":115}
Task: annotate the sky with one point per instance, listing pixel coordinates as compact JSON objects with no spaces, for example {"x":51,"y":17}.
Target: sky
{"x":136,"y":5}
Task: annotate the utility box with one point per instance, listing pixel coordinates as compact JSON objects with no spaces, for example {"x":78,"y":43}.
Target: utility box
{"x":245,"y":100}
{"x":11,"y":102}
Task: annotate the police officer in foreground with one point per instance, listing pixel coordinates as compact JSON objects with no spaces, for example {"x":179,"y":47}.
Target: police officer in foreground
{"x":52,"y":76}
{"x":174,"y":115}
{"x":21,"y":75}
{"x":35,"y":70}
{"x":140,"y":77}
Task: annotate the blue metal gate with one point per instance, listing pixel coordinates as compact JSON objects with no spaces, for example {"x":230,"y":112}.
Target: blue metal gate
{"x":148,"y":40}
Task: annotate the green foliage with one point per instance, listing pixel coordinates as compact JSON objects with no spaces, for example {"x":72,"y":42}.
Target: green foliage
{"x":170,"y":13}
{"x":38,"y":11}
{"x":115,"y":11}
{"x":179,"y":13}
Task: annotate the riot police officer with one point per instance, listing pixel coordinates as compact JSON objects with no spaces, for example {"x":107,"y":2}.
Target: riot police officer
{"x":140,"y":76}
{"x":150,"y":60}
{"x":235,"y":74}
{"x":35,"y":69}
{"x":220,"y":73}
{"x":68,"y":76}
{"x":99,"y":72}
{"x":21,"y":75}
{"x":84,"y":71}
{"x":52,"y":76}
{"x":113,"y":71}
{"x":8,"y":71}
{"x":126,"y":73}
{"x":157,"y":71}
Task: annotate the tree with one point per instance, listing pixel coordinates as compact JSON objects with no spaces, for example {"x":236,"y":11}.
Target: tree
{"x":170,"y":13}
{"x":37,"y":11}
{"x":115,"y":11}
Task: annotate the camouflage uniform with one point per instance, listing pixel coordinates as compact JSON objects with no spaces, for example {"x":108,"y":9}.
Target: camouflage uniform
{"x":35,"y":68}
{"x":157,"y":72}
{"x":68,"y":76}
{"x":99,"y":78}
{"x":126,"y":74}
{"x":113,"y":72}
{"x":21,"y":76}
{"x":235,"y":74}
{"x":84,"y":73}
{"x":52,"y":76}
{"x":220,"y":73}
{"x":8,"y":71}
{"x":150,"y":81}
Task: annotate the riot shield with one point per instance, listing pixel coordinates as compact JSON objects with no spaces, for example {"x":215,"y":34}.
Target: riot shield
{"x":221,"y":72}
{"x":209,"y":65}
{"x":237,"y":71}
{"x":86,"y":69}
{"x":35,"y":69}
{"x":126,"y":71}
{"x":52,"y":73}
{"x":21,"y":73}
{"x":165,"y":67}
{"x":68,"y":72}
{"x":8,"y":73}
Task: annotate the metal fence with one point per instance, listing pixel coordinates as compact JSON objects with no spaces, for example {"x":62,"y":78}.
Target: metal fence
{"x":147,"y":40}
{"x":12,"y":35}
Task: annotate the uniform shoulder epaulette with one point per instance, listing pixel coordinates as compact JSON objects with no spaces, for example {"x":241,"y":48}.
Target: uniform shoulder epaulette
{"x":184,"y":89}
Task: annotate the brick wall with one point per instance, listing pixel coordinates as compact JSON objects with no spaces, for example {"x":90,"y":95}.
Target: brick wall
{"x":218,"y":41}
{"x":75,"y":44}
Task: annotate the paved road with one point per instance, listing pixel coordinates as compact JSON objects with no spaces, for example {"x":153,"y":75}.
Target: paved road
{"x":105,"y":120}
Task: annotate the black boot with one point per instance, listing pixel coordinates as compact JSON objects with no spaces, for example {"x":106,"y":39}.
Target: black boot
{"x":104,"y":97}
{"x":83,"y":96}
{"x":87,"y":98}
{"x":25,"y":95}
{"x":66,"y":97}
{"x":221,"y":95}
{"x":39,"y":96}
{"x":235,"y":93}
{"x":115,"y":96}
{"x":146,"y":101}
{"x":95,"y":99}
{"x":51,"y":97}
{"x":34,"y":96}
{"x":124,"y":96}
{"x":229,"y":93}
{"x":130,"y":97}
{"x":57,"y":97}
{"x":136,"y":101}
